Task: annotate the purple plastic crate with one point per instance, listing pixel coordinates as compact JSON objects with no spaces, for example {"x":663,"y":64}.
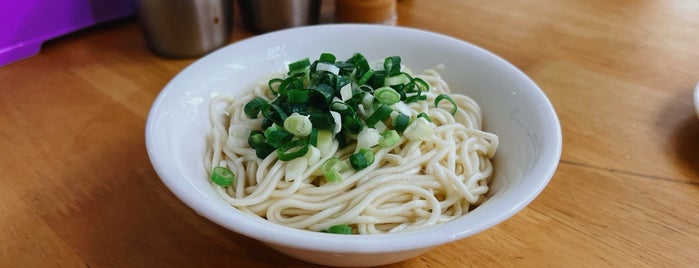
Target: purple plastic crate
{"x":26,"y":24}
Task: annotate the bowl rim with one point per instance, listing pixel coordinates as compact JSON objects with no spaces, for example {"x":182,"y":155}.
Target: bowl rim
{"x":268,"y":232}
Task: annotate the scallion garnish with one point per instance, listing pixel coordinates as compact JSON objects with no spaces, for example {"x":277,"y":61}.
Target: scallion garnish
{"x":329,"y":100}
{"x":253,"y":107}
{"x":362,"y":159}
{"x":424,"y":115}
{"x":365,"y":78}
{"x":331,"y":169}
{"x":222,"y":176}
{"x":256,"y":137}
{"x":313,"y":137}
{"x":263,"y":150}
{"x":327,"y":57}
{"x":277,"y":137}
{"x":392,"y":66}
{"x":321,"y":96}
{"x":297,"y":95}
{"x":299,"y":66}
{"x":292,"y":149}
{"x":401,"y":122}
{"x":298,"y":125}
{"x":340,"y":229}
{"x":441,"y":97}
{"x":423,"y":86}
{"x":387,"y":95}
{"x":389,"y":138}
{"x":272,"y":82}
{"x":274,"y":113}
{"x":380,"y":114}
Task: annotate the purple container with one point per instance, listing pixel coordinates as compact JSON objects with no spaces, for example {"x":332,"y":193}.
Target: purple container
{"x":26,"y":24}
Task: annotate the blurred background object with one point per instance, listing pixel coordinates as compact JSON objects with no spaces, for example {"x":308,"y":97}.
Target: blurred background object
{"x":185,"y":28}
{"x":174,"y":28}
{"x":26,"y":24}
{"x":366,"y":11}
{"x":269,"y":15}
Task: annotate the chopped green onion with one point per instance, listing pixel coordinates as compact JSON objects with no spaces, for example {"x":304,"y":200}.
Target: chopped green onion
{"x":365,"y":78}
{"x":262,"y":150}
{"x":325,"y":101}
{"x":389,"y":138}
{"x":414,"y":96}
{"x":291,"y":82}
{"x":271,"y":84}
{"x":378,"y":79}
{"x":331,"y":169}
{"x":291,"y":108}
{"x":341,"y":140}
{"x":266,"y":123}
{"x":274,"y":113}
{"x":325,"y":140}
{"x":351,"y":123}
{"x":424,"y":115}
{"x":341,"y":107}
{"x":327,"y":57}
{"x":253,"y":107}
{"x":340,"y":229}
{"x":321,"y":120}
{"x":321,"y":95}
{"x":222,"y":176}
{"x":421,"y":129}
{"x":368,"y":100}
{"x":381,"y":126}
{"x":362,"y":159}
{"x":346,"y":92}
{"x":441,"y":97}
{"x":337,"y":120}
{"x":380,"y":114}
{"x":313,"y":137}
{"x":255,"y":138}
{"x":299,"y":66}
{"x":359,"y":62}
{"x":399,"y":79}
{"x":368,"y":138}
{"x":342,"y":81}
{"x":392,"y":65}
{"x":424,"y":86}
{"x":297,"y":95}
{"x":292,"y":149}
{"x":277,"y":136}
{"x":298,"y":125}
{"x":401,"y":122}
{"x":327,"y":67}
{"x":313,"y":155}
{"x":345,"y":67}
{"x":387,"y":95}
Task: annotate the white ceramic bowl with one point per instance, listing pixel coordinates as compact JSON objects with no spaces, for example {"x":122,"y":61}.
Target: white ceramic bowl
{"x":513,"y":106}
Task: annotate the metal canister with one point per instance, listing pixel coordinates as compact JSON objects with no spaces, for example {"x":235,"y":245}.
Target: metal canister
{"x":269,"y":15}
{"x":185,"y":28}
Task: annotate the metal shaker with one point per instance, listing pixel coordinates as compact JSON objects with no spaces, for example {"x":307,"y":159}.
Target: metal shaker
{"x":185,"y":28}
{"x":269,"y":15}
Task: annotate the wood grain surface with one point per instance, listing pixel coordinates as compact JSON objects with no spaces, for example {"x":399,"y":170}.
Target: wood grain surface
{"x":78,"y":189}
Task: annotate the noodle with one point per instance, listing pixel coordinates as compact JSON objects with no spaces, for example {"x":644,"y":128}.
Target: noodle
{"x":412,"y":184}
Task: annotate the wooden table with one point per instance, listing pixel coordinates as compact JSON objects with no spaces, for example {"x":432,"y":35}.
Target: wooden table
{"x":78,"y":189}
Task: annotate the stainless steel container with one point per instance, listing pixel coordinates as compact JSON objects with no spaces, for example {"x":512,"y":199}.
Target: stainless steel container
{"x":269,"y":15}
{"x":185,"y":28}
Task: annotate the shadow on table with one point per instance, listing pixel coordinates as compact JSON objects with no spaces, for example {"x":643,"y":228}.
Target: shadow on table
{"x":684,"y":137}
